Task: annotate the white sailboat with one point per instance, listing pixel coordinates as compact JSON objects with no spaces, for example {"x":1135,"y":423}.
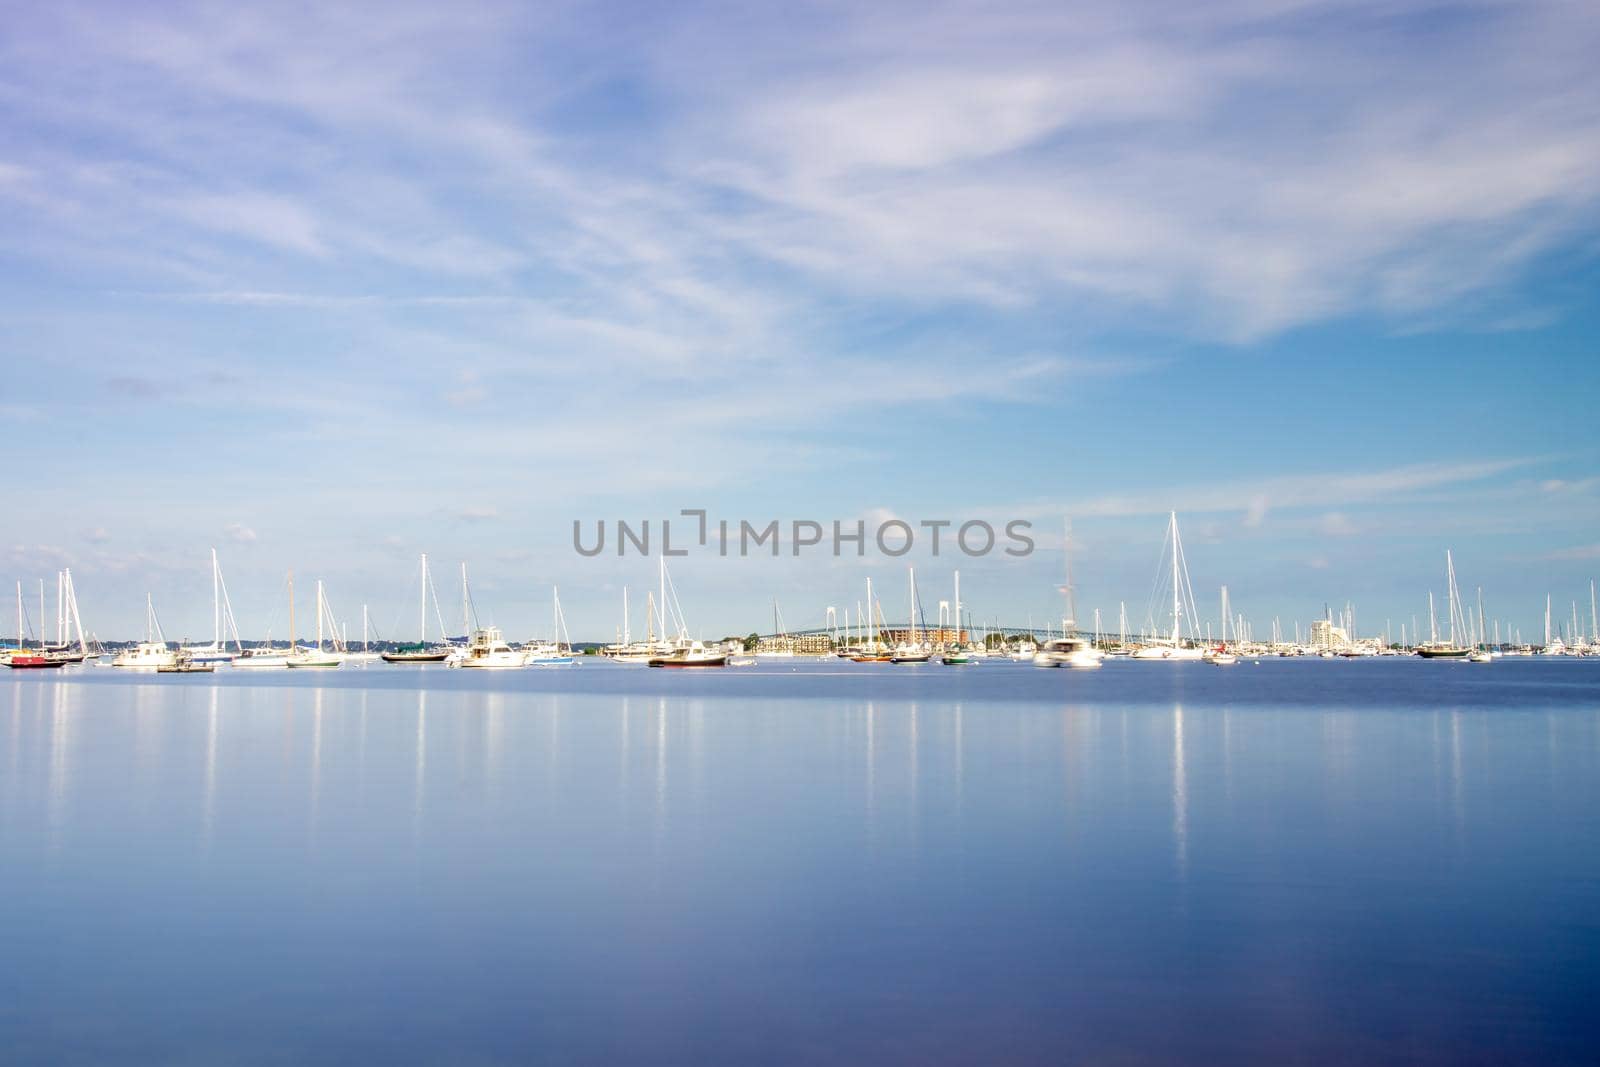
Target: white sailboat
{"x":319,"y":657}
{"x":1173,"y":646}
{"x":556,"y":652}
{"x":222,"y":623}
{"x":911,"y":650}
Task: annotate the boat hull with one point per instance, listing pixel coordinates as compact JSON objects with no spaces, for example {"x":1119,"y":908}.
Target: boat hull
{"x":34,"y":663}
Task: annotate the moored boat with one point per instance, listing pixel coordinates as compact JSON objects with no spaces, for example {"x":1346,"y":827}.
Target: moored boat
{"x":694,"y":654}
{"x":488,"y":649}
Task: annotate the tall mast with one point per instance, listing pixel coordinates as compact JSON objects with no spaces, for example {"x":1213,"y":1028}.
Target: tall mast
{"x":911,"y":580}
{"x":422,"y":604}
{"x":1547,"y":620}
{"x":1224,"y":615}
{"x":957,"y":638}
{"x":661,"y":604}
{"x":869,"y":612}
{"x":1450,"y":574}
{"x":364,"y":642}
{"x":1482,"y":636}
{"x":466,"y":613}
{"x":41,"y":614}
{"x":19,"y":613}
{"x":1176,"y":600}
{"x":291,"y":612}
{"x":77,"y":621}
{"x":61,"y":617}
{"x":319,"y":614}
{"x":216,"y":603}
{"x":1433,"y":621}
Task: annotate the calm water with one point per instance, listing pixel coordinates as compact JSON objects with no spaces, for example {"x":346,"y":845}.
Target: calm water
{"x":1303,"y":862}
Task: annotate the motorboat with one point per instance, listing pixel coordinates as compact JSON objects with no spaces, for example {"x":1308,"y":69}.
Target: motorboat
{"x":488,"y":650}
{"x":694,"y":654}
{"x":1072,"y":652}
{"x":146,"y":656}
{"x":183,"y":662}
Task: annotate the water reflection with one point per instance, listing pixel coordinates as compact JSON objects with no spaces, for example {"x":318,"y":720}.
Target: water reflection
{"x":422,"y":762}
{"x":493,"y":741}
{"x":60,"y":768}
{"x":1458,"y":806}
{"x":1180,"y":796}
{"x":208,"y":806}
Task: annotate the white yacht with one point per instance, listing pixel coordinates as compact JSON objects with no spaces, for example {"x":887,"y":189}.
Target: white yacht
{"x":488,"y":649}
{"x":152,"y":652}
{"x":1071,"y":652}
{"x":146,"y":656}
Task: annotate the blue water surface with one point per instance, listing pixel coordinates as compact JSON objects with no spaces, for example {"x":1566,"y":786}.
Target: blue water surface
{"x":1288,"y":862}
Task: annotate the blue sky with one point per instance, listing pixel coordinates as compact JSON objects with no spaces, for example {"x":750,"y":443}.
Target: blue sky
{"x":328,"y":285}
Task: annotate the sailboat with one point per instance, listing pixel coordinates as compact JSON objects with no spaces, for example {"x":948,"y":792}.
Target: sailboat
{"x":871,"y":648}
{"x":1070,"y":649}
{"x":557,"y":652}
{"x":958,"y":654}
{"x":1173,"y":646}
{"x":152,"y":652}
{"x":1220,"y":656}
{"x":782,"y":647}
{"x":221,"y":621}
{"x":911,"y":650}
{"x":318,"y":657}
{"x":1434,"y":648}
{"x":421,"y":652}
{"x":1480,"y":649}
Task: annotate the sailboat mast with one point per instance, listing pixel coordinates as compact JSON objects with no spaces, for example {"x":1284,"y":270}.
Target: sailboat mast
{"x":291,"y":612}
{"x":216,"y":603}
{"x":41,"y":614}
{"x":869,"y":611}
{"x":911,"y":578}
{"x":1450,"y":575}
{"x":61,"y":615}
{"x":1176,"y":605}
{"x":466,"y":612}
{"x":957,"y":638}
{"x":1433,"y":621}
{"x":319,"y":614}
{"x":422,"y":604}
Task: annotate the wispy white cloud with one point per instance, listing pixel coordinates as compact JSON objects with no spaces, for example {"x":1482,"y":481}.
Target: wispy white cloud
{"x":1576,"y":552}
{"x":1254,"y":497}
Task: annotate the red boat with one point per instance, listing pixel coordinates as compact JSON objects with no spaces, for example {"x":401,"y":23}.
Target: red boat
{"x":21,"y":661}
